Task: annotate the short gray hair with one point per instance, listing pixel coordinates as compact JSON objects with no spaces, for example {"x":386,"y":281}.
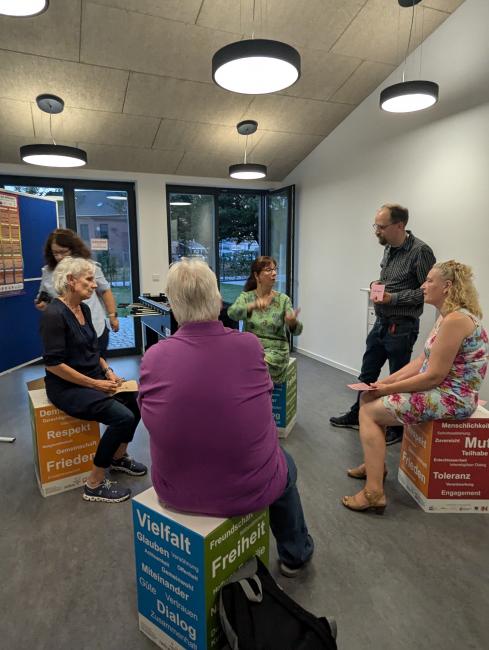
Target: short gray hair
{"x":192,"y":291}
{"x":74,"y":266}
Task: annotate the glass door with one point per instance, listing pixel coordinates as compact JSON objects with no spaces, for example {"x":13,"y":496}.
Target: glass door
{"x":191,"y":225}
{"x":280,"y":244}
{"x":239,"y":220}
{"x":102,"y":221}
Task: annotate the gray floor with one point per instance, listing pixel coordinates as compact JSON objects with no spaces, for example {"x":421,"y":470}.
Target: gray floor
{"x":404,"y":581}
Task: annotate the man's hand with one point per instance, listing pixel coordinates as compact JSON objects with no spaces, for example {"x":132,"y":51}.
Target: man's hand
{"x":41,"y":305}
{"x":386,"y":299}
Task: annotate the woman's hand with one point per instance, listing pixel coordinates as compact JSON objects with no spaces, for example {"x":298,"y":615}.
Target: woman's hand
{"x":105,"y":385}
{"x":111,"y":376}
{"x":114,"y":322}
{"x":262,"y":302}
{"x":41,"y":305}
{"x":291,"y":318}
{"x":380,"y":389}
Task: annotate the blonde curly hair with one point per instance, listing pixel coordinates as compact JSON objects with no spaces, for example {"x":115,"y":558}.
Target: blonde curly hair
{"x":462,"y":293}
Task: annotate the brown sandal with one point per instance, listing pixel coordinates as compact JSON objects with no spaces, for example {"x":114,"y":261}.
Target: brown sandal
{"x":374,"y":502}
{"x":360,"y":473}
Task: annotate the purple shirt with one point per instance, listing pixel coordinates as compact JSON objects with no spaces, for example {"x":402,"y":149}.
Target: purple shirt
{"x":205,"y":399}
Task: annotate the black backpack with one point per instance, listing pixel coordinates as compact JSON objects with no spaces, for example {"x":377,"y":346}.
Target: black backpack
{"x":256,"y":614}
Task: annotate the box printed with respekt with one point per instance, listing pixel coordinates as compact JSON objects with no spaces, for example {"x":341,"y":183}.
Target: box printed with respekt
{"x":445,"y":464}
{"x":64,"y":447}
{"x":182,"y":561}
{"x":284,"y":401}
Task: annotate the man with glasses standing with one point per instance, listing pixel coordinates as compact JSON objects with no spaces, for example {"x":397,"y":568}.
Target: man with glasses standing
{"x":404,"y":268}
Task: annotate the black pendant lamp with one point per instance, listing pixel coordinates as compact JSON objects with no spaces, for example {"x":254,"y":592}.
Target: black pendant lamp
{"x":256,"y":66}
{"x":246,"y":170}
{"x":409,"y":96}
{"x":52,"y":155}
{"x":23,"y":8}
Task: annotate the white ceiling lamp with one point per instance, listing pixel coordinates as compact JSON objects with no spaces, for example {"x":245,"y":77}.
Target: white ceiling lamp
{"x":409,"y":96}
{"x":23,"y":8}
{"x":256,"y":66}
{"x":180,"y":203}
{"x":246,"y":170}
{"x":117,"y":197}
{"x":52,"y":155}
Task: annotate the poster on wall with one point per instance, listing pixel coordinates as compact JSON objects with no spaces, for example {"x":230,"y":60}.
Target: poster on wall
{"x":11,"y":262}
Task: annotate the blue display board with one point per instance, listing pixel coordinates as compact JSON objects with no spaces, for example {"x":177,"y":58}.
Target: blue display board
{"x":19,"y":319}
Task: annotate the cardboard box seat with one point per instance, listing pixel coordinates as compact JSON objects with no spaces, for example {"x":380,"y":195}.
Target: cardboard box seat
{"x":284,"y":401}
{"x":445,"y":464}
{"x":182,"y":560}
{"x":64,"y":447}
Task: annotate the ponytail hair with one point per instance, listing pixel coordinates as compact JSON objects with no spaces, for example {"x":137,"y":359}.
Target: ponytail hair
{"x":462,"y":294}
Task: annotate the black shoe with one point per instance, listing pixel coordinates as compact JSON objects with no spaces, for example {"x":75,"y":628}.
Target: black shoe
{"x":348,"y":420}
{"x":128,"y":465}
{"x":393,"y":435}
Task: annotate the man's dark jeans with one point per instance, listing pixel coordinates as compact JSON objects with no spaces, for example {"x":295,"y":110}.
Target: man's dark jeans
{"x":388,"y":340}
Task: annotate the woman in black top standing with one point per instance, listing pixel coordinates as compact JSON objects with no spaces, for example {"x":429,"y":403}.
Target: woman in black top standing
{"x":80,"y":382}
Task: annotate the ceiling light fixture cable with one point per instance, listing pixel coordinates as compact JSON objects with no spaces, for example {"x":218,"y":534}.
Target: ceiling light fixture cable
{"x":246,"y":170}
{"x":409,"y":96}
{"x":52,"y":155}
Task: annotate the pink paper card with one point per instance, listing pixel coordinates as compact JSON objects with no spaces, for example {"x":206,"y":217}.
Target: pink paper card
{"x":360,"y":386}
{"x":482,"y":402}
{"x":377,"y":292}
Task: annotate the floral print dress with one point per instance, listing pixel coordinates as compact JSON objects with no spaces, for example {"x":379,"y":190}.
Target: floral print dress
{"x":456,"y":397}
{"x":269,"y":325}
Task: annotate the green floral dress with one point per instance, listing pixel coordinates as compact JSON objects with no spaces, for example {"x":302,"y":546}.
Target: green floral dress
{"x":269,"y":325}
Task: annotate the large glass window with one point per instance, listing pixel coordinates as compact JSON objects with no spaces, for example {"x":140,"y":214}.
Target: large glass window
{"x":222,"y":227}
{"x":229,"y":228}
{"x":102,"y":221}
{"x":192,"y":226}
{"x":239,"y":239}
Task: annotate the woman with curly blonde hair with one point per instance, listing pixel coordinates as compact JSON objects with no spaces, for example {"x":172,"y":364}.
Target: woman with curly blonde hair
{"x":442,"y":383}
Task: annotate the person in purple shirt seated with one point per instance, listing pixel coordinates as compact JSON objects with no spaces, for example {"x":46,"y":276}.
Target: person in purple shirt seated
{"x":205,"y":398}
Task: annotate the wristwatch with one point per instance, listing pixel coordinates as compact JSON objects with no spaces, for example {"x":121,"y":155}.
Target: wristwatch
{"x":112,"y":314}
{"x":107,"y":370}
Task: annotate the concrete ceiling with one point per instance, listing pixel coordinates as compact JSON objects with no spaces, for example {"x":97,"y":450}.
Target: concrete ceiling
{"x":136,"y":77}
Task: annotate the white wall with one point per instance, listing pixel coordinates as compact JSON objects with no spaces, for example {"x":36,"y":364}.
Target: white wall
{"x":151,"y":209}
{"x":435,"y":162}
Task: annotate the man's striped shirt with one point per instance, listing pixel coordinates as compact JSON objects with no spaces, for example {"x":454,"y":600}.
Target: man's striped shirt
{"x":403,"y":271}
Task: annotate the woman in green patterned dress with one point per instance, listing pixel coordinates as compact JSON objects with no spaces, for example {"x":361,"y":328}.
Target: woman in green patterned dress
{"x":268,"y":314}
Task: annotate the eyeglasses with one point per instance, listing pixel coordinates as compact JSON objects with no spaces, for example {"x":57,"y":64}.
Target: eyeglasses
{"x":270,"y":269}
{"x":60,"y":253}
{"x":377,"y":226}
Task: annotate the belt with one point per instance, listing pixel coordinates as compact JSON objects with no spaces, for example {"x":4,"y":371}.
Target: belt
{"x":397,"y":319}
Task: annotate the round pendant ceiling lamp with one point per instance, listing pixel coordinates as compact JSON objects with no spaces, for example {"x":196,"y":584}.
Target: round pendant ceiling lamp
{"x":52,"y":155}
{"x":256,"y":66}
{"x":246,"y":170}
{"x":23,"y":8}
{"x":409,"y":96}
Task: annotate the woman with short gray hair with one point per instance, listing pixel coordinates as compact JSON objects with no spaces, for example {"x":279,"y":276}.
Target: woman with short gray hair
{"x":205,"y":397}
{"x":80,"y":382}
